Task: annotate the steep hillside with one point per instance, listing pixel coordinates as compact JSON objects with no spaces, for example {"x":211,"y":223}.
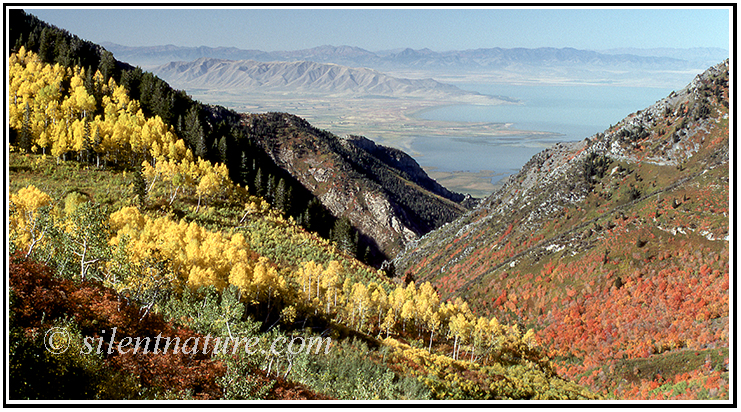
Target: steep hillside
{"x":390,"y":200}
{"x":121,"y":237}
{"x":305,"y":77}
{"x":592,"y":236}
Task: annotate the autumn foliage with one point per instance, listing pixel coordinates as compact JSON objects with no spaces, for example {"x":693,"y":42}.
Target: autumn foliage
{"x":41,"y":299}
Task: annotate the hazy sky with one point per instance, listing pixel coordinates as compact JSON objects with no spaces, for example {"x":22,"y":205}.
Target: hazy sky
{"x":383,"y":29}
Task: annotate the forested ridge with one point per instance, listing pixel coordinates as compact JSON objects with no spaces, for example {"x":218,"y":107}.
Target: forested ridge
{"x":126,"y":211}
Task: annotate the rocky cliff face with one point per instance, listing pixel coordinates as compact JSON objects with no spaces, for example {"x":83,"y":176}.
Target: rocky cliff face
{"x":383,"y":197}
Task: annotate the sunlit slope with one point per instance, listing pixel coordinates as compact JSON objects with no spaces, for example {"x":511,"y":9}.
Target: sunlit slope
{"x":594,"y":238}
{"x":114,"y":204}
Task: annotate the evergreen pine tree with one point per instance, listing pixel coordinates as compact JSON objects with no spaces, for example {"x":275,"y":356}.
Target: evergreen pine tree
{"x":193,"y":132}
{"x":281,"y":193}
{"x":244,"y":170}
{"x":344,"y":236}
{"x":270,"y":190}
{"x":223,"y":151}
{"x":46,"y":46}
{"x":259,"y":184}
{"x":107,"y":65}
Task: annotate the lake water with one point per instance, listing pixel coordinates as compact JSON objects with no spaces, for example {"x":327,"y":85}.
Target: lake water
{"x":570,"y":113}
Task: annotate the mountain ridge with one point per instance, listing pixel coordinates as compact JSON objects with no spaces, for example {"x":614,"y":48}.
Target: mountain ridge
{"x":306,"y":77}
{"x":471,"y":59}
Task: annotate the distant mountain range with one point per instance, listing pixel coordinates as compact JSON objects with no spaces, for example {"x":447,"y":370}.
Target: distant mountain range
{"x":700,"y":55}
{"x":306,"y":77}
{"x":470,"y":60}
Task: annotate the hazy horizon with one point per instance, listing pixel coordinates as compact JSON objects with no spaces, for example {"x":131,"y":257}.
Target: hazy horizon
{"x":376,"y":30}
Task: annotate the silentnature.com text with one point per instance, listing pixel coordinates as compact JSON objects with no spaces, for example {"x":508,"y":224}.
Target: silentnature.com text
{"x":57,"y":340}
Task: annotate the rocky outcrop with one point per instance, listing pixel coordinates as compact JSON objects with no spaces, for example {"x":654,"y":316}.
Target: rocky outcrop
{"x":383,"y":192}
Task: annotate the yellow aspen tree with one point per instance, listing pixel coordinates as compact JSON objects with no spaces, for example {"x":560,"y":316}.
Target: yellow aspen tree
{"x":433,"y":324}
{"x":304,"y":277}
{"x":215,"y":246}
{"x":110,"y":111}
{"x":17,"y":109}
{"x":407,"y":313}
{"x":177,"y":175}
{"x":145,"y":138}
{"x":495,"y":327}
{"x":78,"y":134}
{"x":78,"y":78}
{"x":260,"y":279}
{"x":411,"y":291}
{"x":529,"y":339}
{"x":176,"y":150}
{"x":16,"y":73}
{"x":426,"y":298}
{"x":346,"y":291}
{"x":241,"y":277}
{"x":22,"y":86}
{"x":126,"y":221}
{"x":267,"y":281}
{"x":458,"y":328}
{"x":80,"y":104}
{"x":60,"y":139}
{"x":379,"y":301}
{"x":100,"y":85}
{"x":25,"y":222}
{"x":388,"y":322}
{"x":463,"y":307}
{"x":259,"y":274}
{"x":199,"y":277}
{"x":398,"y":300}
{"x":119,"y":98}
{"x":360,"y":302}
{"x":331,"y":282}
{"x":479,"y":334}
{"x":45,"y":113}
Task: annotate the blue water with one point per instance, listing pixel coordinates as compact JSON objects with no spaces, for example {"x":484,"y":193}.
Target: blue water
{"x":568,"y":113}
